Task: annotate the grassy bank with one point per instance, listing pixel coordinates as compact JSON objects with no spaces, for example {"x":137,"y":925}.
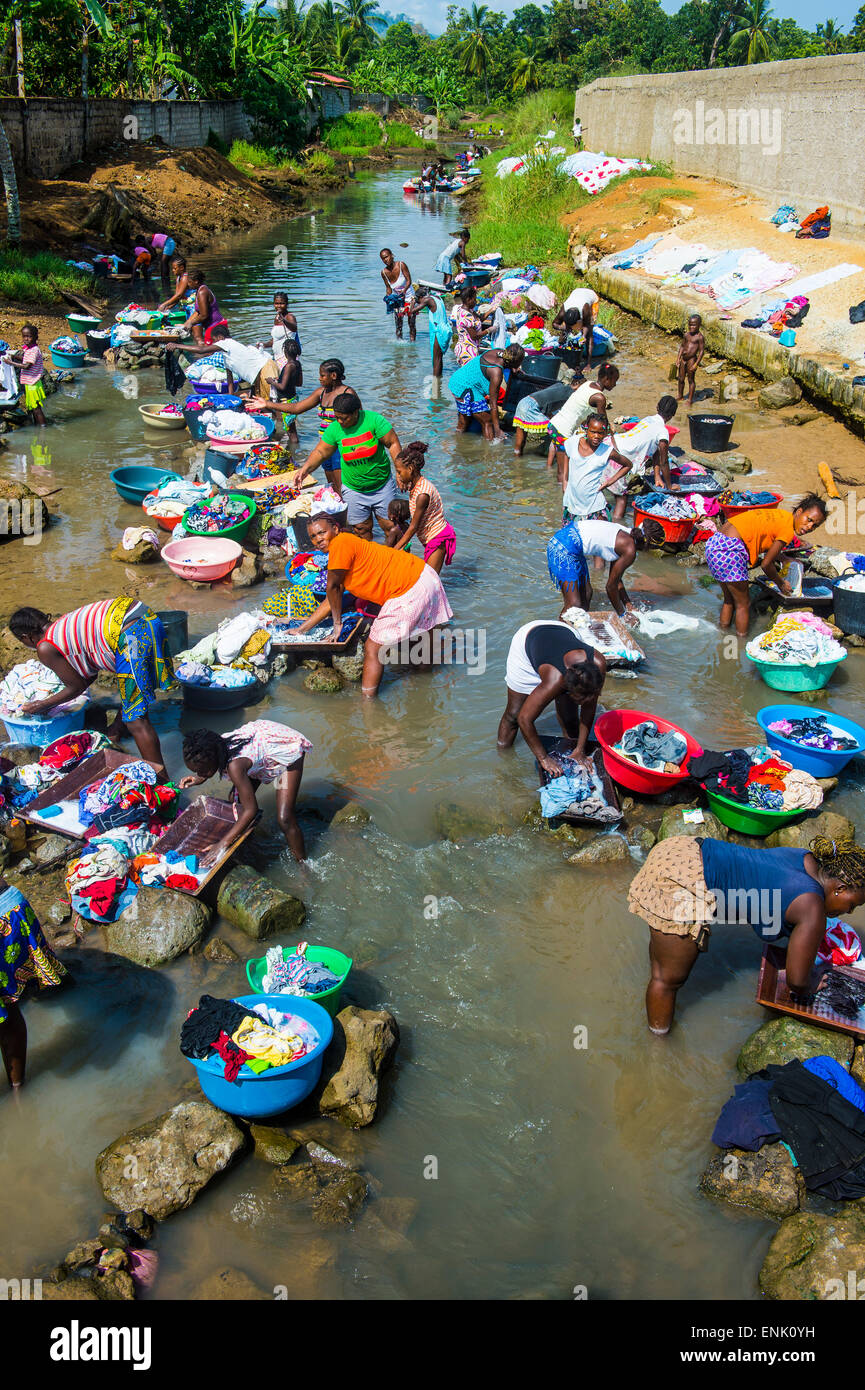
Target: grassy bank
{"x":359,"y":133}
{"x":39,"y":278}
{"x":258,"y":158}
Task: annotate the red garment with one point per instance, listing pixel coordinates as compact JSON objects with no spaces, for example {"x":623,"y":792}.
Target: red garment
{"x":185,"y":882}
{"x":771,"y":773}
{"x":232,"y":1055}
{"x":65,"y":752}
{"x":102,"y":894}
{"x":536,"y":321}
{"x":208,"y":332}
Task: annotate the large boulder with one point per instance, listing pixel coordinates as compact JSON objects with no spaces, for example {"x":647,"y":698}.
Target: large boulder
{"x":157,"y":926}
{"x":163,"y":1165}
{"x":674,"y":823}
{"x":811,"y":1257}
{"x":322,"y":680}
{"x":350,"y":667}
{"x":352,"y":813}
{"x":603,"y":849}
{"x":782,"y":1040}
{"x":787,"y":391}
{"x":765,"y":1181}
{"x":363,"y":1047}
{"x":800,"y":835}
{"x":456,"y":823}
{"x":257,"y":907}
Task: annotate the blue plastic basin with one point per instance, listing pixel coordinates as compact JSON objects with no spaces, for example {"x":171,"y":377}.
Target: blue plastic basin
{"x":820,"y":762}
{"x":279,"y":1088}
{"x":68,"y":359}
{"x":41,"y":729}
{"x":134,"y":483}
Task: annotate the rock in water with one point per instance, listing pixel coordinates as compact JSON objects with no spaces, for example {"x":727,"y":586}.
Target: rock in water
{"x":765,"y":1181}
{"x":250,"y":570}
{"x":364,"y":1042}
{"x":787,"y":391}
{"x":782,"y":1040}
{"x":142,"y":553}
{"x":220,"y":951}
{"x":322,"y":680}
{"x":811,"y":1257}
{"x":163,"y":1165}
{"x":273,"y":1145}
{"x":674,"y":823}
{"x":349,"y":667}
{"x":603,"y":849}
{"x":799,"y":836}
{"x":352,"y":813}
{"x":339,"y":1202}
{"x":157,"y":926}
{"x":259,"y":909}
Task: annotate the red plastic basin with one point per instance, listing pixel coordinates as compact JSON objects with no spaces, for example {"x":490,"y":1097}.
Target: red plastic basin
{"x":609,"y":729}
{"x":675,"y":531}
{"x":727,"y":512}
{"x":167,"y":523}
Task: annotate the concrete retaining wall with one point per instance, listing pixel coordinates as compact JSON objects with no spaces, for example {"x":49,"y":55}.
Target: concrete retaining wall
{"x":792,"y":132}
{"x":47,"y":135}
{"x":669,"y":309}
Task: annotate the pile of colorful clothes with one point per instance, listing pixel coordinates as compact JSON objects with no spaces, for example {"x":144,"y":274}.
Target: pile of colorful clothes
{"x":263,"y":461}
{"x":285,"y":634}
{"x":215,"y":514}
{"x":255,"y":1039}
{"x":30,"y":680}
{"x":307,"y":576}
{"x":232,"y":424}
{"x":20,"y":785}
{"x":212,"y":402}
{"x":174,"y":495}
{"x":130,"y":795}
{"x":137,"y":314}
{"x":798,"y":639}
{"x":757,"y":777}
{"x":814,"y":732}
{"x":168,"y":870}
{"x":578,"y":791}
{"x":295,"y":974}
{"x":646,"y":745}
{"x":236,"y":654}
{"x":672,"y":506}
{"x":728,"y":498}
{"x":172,"y":409}
{"x":780,"y":314}
{"x":66,"y":343}
{"x":209,"y":371}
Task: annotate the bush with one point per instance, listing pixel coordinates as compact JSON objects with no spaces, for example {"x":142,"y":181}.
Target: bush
{"x":403,"y":135}
{"x":533,"y":116}
{"x":253,"y":156}
{"x":520,"y":215}
{"x":216,"y":142}
{"x":355,"y":129}
{"x":320,"y":163}
{"x":37,"y":279}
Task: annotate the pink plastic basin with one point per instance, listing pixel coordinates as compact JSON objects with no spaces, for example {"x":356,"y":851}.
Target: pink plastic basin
{"x":609,"y":729}
{"x":731,"y":511}
{"x":200,"y":557}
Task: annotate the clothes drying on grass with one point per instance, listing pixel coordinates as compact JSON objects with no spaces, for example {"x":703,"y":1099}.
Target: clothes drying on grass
{"x":814,"y":732}
{"x":647,"y":746}
{"x":25,"y":956}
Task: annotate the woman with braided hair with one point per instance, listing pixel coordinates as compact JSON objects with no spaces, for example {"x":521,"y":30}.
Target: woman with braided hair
{"x":688,"y":885}
{"x":262,"y":751}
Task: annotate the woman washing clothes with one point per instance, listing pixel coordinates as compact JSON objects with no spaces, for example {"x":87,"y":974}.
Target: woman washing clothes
{"x":647,"y":446}
{"x":122,"y":637}
{"x":533,"y":413}
{"x":470,"y":326}
{"x":410,"y":594}
{"x":477,"y":386}
{"x":427,"y":518}
{"x":183,"y":292}
{"x":25,"y":958}
{"x":689,"y":885}
{"x":547,"y":663}
{"x":206,"y":314}
{"x":583,"y":463}
{"x":742,"y":541}
{"x":399,"y":296}
{"x":580,"y":539}
{"x":588,"y":397}
{"x":261,"y":752}
{"x":453,"y":256}
{"x":284,"y":329}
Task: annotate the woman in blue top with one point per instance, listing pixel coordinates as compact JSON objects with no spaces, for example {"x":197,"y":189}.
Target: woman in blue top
{"x":687,"y":885}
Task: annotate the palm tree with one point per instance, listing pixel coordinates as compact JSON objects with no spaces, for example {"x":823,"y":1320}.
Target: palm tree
{"x":93,"y":19}
{"x":357,"y":14}
{"x":10,"y":184}
{"x":753,"y":38}
{"x":527,"y":70}
{"x":475,"y":49}
{"x":833,"y":39}
{"x":734,"y":12}
{"x":342,"y":46}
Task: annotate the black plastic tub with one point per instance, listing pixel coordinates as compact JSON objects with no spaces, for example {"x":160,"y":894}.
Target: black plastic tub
{"x":195,"y":425}
{"x":542,"y":367}
{"x":98,"y":342}
{"x":850,"y":610}
{"x":215,"y":697}
{"x":710,"y":433}
{"x":300,"y":527}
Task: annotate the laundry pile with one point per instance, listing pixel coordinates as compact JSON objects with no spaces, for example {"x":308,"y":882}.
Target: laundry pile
{"x":295,"y":974}
{"x":197,"y":673}
{"x":645,"y":745}
{"x":815,"y":1109}
{"x":855,"y":582}
{"x":728,"y":277}
{"x":253,"y":1039}
{"x":263,"y":461}
{"x":817,"y":224}
{"x":213,"y":515}
{"x":780,"y":314}
{"x":28,"y":681}
{"x":814,"y":732}
{"x":20,"y":785}
{"x":307,"y":577}
{"x":757,"y":777}
{"x":672,"y":506}
{"x":798,"y":639}
{"x":212,"y":402}
{"x":66,"y":343}
{"x":579,"y":791}
{"x":232,"y":424}
{"x":286,"y":634}
{"x":168,"y":870}
{"x":840,"y":945}
{"x":747,"y":498}
{"x":172,"y":409}
{"x":174,"y":496}
{"x":137,"y":314}
{"x":208,"y":370}
{"x":130,"y":795}
{"x":236,"y":654}
{"x":607,"y":634}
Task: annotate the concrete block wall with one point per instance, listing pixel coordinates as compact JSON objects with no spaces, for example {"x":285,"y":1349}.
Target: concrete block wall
{"x":792,"y":132}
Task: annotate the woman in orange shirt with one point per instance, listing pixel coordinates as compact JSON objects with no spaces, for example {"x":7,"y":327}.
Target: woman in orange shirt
{"x":410,"y":593}
{"x":740,"y":543}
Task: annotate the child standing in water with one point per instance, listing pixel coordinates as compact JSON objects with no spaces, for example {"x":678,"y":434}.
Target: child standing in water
{"x":31,"y":370}
{"x":690,"y":356}
{"x":425,"y":506}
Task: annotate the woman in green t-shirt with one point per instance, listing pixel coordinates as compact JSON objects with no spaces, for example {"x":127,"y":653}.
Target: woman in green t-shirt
{"x":365,"y":476}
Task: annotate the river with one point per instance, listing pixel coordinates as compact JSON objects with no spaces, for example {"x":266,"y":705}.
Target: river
{"x":558,"y":1166}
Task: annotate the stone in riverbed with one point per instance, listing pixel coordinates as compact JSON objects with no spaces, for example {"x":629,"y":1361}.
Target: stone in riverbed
{"x":800,"y":835}
{"x":363,"y":1047}
{"x":352,"y":813}
{"x":456,"y":823}
{"x":220,"y":951}
{"x":350,"y":667}
{"x":70,"y":1291}
{"x":783,"y":1039}
{"x":228,"y":1285}
{"x":339,"y":1202}
{"x":640,"y":838}
{"x":765,"y":1181}
{"x":144,"y":552}
{"x":603,"y":849}
{"x":322,"y":680}
{"x":272,"y":1144}
{"x":250,"y":570}
{"x":811,"y":1256}
{"x":673,"y":823}
{"x":787,"y":391}
{"x":161,"y":1166}
{"x":259,"y":909}
{"x":157,"y":926}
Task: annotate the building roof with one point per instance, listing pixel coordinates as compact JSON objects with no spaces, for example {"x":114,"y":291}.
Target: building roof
{"x":329,"y":79}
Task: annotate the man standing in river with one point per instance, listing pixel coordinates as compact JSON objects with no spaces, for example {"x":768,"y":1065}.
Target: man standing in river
{"x":399,"y":293}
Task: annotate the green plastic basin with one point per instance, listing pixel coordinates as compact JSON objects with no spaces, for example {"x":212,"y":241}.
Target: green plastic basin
{"x":329,"y":999}
{"x":800,"y":677}
{"x":231,"y":533}
{"x":749,"y":820}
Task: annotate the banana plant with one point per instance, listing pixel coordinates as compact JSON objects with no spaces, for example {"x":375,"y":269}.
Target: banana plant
{"x":93,"y":20}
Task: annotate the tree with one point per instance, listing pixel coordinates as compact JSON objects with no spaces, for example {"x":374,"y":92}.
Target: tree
{"x":356,"y":15}
{"x":475,"y":47}
{"x":527,"y":72}
{"x":94,"y":20}
{"x":10,"y":185}
{"x":831,"y":36}
{"x":161,"y":72}
{"x":754,"y":38}
{"x":733,"y":13}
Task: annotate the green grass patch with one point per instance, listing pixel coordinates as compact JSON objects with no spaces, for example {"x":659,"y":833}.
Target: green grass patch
{"x":538,"y":113}
{"x":356,"y":129}
{"x":244,"y":155}
{"x":38,"y":278}
{"x":320,"y":163}
{"x":609,"y":317}
{"x":653,"y":197}
{"x":520,"y":215}
{"x":403,"y":135}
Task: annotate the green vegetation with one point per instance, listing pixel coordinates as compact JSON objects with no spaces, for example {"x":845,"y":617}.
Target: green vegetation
{"x":358,"y":130}
{"x":247,"y":156}
{"x":520,"y":216}
{"x":403,"y":136}
{"x":320,"y":163}
{"x":38,"y":278}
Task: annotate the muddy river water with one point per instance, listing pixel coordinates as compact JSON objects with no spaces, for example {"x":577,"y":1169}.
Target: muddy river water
{"x":557,"y":1166}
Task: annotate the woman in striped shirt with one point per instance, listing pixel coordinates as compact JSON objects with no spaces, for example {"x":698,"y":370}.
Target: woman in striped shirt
{"x":425,"y":507}
{"x":120,"y":636}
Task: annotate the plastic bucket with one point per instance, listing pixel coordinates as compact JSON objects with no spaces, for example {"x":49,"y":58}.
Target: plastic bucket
{"x":99,"y":342}
{"x":278,"y":1088}
{"x":798,"y":677}
{"x":176,"y":624}
{"x":710,"y":433}
{"x":216,"y":697}
{"x":820,"y":762}
{"x":788,"y":337}
{"x":256,"y":969}
{"x":41,"y":730}
{"x":542,"y":366}
{"x":214,"y":461}
{"x":749,"y":820}
{"x":850,"y":610}
{"x":230,"y":533}
{"x":68,"y":359}
{"x":300,"y":527}
{"x":609,"y":729}
{"x":676,"y":532}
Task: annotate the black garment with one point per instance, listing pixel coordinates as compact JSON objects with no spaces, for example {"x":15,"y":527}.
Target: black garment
{"x":547,"y":644}
{"x":204,"y":1025}
{"x":735,"y":765}
{"x":552,"y":397}
{"x":795,"y":320}
{"x":746,"y":1121}
{"x":825,"y":1131}
{"x":857,"y":312}
{"x":174,"y":374}
{"x":707,"y":766}
{"x":843,"y":995}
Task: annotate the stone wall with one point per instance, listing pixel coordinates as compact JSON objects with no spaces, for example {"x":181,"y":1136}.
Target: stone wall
{"x":791,"y":132}
{"x":48,"y":134}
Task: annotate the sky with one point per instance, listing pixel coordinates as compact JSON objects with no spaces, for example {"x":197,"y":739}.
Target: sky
{"x":808,"y":13}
